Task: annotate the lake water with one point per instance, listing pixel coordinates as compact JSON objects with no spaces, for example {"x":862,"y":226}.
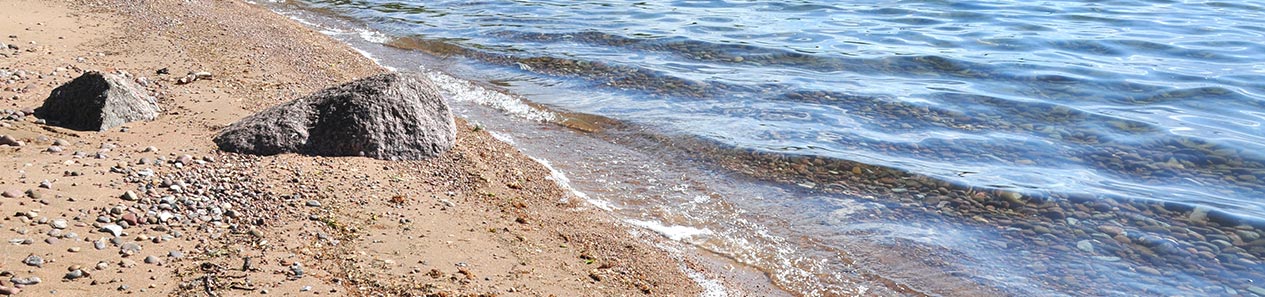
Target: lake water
{"x":882,"y":147}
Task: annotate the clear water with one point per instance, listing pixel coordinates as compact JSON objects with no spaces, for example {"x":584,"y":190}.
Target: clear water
{"x":1145,"y":101}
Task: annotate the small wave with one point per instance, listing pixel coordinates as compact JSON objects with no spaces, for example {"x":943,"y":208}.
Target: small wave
{"x":561,"y":179}
{"x":465,"y":91}
{"x":374,"y":36}
{"x":674,"y":232}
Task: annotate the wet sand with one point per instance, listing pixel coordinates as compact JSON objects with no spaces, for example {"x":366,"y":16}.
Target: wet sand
{"x":482,"y":219}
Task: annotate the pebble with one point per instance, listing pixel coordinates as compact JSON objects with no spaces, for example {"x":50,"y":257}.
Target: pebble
{"x":26,"y":281}
{"x":113,"y":229}
{"x":1148,"y":270}
{"x":99,"y":244}
{"x":297,"y":270}
{"x":1248,"y":235}
{"x":74,"y":274}
{"x":10,"y":141}
{"x":129,"y":196}
{"x":1256,"y":290}
{"x":1111,"y":230}
{"x":313,"y":203}
{"x":11,"y":193}
{"x":34,"y":260}
{"x":176,"y":254}
{"x":54,"y":149}
{"x":305,"y":288}
{"x":152,"y":260}
{"x":130,"y":218}
{"x":129,"y":248}
{"x":59,"y":224}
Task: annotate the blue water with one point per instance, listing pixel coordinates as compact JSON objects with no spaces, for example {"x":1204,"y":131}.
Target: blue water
{"x":1149,"y":100}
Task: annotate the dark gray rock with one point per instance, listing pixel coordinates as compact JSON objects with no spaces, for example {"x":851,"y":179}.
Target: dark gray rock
{"x":389,"y":116}
{"x":97,"y":101}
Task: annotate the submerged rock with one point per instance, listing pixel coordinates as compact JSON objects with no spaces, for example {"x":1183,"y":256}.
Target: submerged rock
{"x":388,"y":116}
{"x":97,"y":101}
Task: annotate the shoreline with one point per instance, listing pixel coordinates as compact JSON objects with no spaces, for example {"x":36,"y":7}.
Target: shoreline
{"x":480,"y":219}
{"x":1117,"y":233}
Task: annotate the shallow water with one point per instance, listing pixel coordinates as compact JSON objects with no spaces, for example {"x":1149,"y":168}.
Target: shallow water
{"x":884,"y":147}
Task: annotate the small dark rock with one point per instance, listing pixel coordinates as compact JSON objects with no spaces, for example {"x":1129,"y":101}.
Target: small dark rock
{"x":97,"y":101}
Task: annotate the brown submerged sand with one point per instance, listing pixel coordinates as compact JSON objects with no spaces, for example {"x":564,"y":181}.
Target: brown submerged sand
{"x":480,"y":220}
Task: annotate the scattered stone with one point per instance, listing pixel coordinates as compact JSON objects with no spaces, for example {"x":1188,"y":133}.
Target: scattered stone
{"x":175,"y":254}
{"x":194,"y":76}
{"x":75,"y":274}
{"x":97,"y":101}
{"x":129,"y":248}
{"x":33,"y":260}
{"x":10,"y":141}
{"x":152,"y":260}
{"x":11,"y":193}
{"x":305,"y":288}
{"x":129,"y":196}
{"x":59,"y":224}
{"x":313,"y":203}
{"x":296,"y":270}
{"x":130,"y":218}
{"x":99,"y":244}
{"x":387,"y":116}
{"x":27,"y":281}
{"x":113,"y":229}
{"x":1148,"y":270}
{"x":54,"y":149}
{"x":1256,"y":290}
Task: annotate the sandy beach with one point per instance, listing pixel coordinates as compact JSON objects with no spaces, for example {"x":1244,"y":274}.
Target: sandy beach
{"x":153,"y":208}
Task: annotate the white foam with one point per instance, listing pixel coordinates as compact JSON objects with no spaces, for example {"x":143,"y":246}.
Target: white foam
{"x":711,"y":287}
{"x":296,"y":18}
{"x":506,"y":138}
{"x":671,"y":232}
{"x":561,"y":179}
{"x":464,"y":91}
{"x":373,"y":36}
{"x":372,"y":58}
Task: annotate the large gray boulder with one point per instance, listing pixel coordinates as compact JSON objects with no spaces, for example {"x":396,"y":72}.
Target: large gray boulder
{"x":393,"y":116}
{"x":97,"y":101}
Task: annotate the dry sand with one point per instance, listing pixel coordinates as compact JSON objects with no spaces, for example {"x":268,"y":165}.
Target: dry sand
{"x":482,"y":219}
